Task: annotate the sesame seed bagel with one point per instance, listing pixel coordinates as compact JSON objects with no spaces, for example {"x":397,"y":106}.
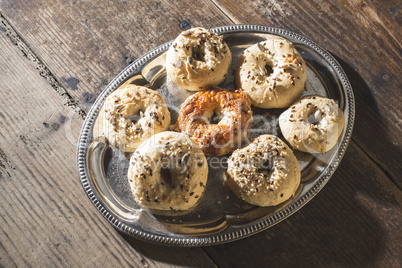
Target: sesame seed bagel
{"x":312,"y":124}
{"x":132,"y":115}
{"x":198,"y":59}
{"x":272,"y":73}
{"x":168,"y":172}
{"x":233,"y":111}
{"x":264,"y":173}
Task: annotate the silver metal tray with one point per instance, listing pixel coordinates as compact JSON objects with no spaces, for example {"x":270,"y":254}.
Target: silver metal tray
{"x":219,"y":216}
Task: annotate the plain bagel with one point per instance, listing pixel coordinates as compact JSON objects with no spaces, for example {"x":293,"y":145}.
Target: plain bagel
{"x":272,"y":73}
{"x":312,"y":124}
{"x":168,"y":172}
{"x":198,"y":59}
{"x":264,"y":173}
{"x":133,"y":114}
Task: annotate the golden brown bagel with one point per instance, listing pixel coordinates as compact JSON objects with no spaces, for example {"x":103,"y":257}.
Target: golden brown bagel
{"x":234,"y":114}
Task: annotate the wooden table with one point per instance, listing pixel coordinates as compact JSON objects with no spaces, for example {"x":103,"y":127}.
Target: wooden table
{"x":57,"y":56}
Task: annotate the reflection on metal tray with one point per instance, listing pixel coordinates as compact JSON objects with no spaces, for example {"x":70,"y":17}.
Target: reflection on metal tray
{"x":219,"y":216}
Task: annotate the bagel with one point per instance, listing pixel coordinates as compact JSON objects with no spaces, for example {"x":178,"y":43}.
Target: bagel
{"x":272,"y":73}
{"x":313,"y":124}
{"x":264,"y":173}
{"x":222,"y":137}
{"x":133,"y":114}
{"x":198,"y":59}
{"x":168,"y":172}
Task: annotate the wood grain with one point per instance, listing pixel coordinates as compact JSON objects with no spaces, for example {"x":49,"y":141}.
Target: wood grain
{"x":45,"y":218}
{"x":355,"y":221}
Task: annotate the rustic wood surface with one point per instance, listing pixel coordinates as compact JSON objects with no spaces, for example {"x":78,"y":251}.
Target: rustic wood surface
{"x":57,"y":56}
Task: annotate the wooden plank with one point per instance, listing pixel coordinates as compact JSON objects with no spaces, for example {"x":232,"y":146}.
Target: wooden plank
{"x":45,"y":218}
{"x":364,"y":37}
{"x":355,"y":221}
{"x":87,"y":43}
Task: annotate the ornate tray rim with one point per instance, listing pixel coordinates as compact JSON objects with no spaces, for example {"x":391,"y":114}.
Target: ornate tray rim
{"x":248,"y":229}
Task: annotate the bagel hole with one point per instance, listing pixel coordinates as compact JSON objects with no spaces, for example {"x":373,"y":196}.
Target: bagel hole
{"x":166,"y":176}
{"x":268,"y":70}
{"x":215,"y":118}
{"x":315,"y":117}
{"x":200,"y":120}
{"x":135,"y":117}
{"x":197,"y":54}
{"x":266,"y":167}
{"x":185,"y":162}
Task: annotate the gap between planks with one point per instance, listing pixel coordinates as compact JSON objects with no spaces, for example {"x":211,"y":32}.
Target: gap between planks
{"x":43,"y":71}
{"x":223,"y":11}
{"x":383,"y":170}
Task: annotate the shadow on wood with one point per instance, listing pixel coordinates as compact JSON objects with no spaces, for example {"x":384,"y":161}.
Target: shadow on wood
{"x":342,"y":225}
{"x":178,"y":256}
{"x":370,"y":130}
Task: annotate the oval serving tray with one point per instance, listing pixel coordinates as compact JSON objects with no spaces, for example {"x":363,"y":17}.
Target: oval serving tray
{"x":219,"y":216}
